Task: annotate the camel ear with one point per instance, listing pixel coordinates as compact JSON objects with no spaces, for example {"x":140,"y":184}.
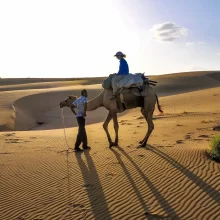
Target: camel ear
{"x":69,"y":97}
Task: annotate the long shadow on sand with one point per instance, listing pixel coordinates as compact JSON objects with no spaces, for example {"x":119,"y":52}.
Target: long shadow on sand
{"x":171,"y":214}
{"x":211,"y":192}
{"x":94,"y":187}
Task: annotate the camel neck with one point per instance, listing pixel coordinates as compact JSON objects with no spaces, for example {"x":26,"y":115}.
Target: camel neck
{"x":96,"y":102}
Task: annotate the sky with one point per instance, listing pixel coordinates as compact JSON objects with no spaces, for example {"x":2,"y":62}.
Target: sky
{"x":72,"y":38}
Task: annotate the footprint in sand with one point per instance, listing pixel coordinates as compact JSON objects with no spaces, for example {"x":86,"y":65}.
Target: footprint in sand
{"x":206,"y":121}
{"x":156,"y":217}
{"x":111,"y":175}
{"x":160,"y":146}
{"x":12,"y":140}
{"x":89,"y":186}
{"x":141,"y":117}
{"x":140,"y":155}
{"x":77,"y":206}
{"x":187,"y":136}
{"x":179,"y":141}
{"x":216,"y":128}
{"x":123,"y":122}
{"x":9,"y":134}
{"x":204,"y":136}
{"x":126,"y":124}
{"x":15,"y":140}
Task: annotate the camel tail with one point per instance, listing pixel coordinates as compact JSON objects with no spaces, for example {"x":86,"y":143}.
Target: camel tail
{"x":158,"y":105}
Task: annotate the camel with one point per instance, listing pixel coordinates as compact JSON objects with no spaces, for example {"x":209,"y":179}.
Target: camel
{"x":146,"y":103}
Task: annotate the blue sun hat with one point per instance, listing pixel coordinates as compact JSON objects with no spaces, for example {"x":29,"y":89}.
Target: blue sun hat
{"x":119,"y":53}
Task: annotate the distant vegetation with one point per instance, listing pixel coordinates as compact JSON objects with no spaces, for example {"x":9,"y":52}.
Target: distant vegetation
{"x":214,"y":148}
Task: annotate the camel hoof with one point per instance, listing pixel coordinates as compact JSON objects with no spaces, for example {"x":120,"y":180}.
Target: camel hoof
{"x":142,"y":145}
{"x":140,"y":142}
{"x":113,"y":145}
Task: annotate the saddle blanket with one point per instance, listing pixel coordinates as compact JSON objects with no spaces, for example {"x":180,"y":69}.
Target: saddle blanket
{"x":130,"y":80}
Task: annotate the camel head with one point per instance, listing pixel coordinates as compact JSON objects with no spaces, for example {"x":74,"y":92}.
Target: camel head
{"x":68,"y":101}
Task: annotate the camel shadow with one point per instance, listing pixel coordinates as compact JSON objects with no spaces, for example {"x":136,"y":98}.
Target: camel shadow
{"x":206,"y":188}
{"x":171,"y":214}
{"x":93,"y":186}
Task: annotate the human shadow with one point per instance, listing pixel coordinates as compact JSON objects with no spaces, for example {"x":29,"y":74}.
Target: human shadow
{"x":206,"y":188}
{"x":171,"y":214}
{"x":93,"y":187}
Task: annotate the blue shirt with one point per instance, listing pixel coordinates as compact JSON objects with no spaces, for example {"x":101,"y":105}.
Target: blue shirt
{"x":80,"y":103}
{"x":123,"y":68}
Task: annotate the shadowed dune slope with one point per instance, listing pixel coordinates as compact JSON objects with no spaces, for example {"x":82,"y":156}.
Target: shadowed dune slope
{"x":42,"y":108}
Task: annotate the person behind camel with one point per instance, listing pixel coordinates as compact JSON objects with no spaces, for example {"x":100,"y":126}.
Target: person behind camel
{"x":81,"y":105}
{"x":123,"y":70}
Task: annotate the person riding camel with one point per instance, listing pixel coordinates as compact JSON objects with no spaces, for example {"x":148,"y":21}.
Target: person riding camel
{"x":123,"y":70}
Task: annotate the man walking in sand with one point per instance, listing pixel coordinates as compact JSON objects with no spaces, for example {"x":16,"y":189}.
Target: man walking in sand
{"x":81,"y":105}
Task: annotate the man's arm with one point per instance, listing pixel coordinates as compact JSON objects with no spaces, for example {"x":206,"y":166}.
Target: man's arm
{"x":72,"y":109}
{"x":85,"y":108}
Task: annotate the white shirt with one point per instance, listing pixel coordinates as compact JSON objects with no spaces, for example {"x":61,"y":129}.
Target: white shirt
{"x":80,"y":103}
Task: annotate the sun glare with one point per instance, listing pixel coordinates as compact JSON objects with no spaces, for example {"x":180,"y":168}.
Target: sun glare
{"x":62,"y":39}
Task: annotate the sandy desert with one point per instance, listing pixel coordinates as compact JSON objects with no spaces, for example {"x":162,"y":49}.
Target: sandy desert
{"x":172,"y":178}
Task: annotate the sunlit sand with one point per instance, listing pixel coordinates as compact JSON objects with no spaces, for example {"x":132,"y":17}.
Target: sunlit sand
{"x":171,"y":178}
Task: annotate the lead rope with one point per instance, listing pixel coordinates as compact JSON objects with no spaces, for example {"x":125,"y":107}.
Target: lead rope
{"x":62,"y":116}
{"x":67,"y":165}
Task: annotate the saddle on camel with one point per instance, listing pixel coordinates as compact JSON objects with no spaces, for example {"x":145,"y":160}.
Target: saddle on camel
{"x":131,"y":83}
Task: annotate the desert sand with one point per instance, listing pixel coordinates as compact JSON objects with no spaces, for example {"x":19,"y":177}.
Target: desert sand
{"x":172,"y":178}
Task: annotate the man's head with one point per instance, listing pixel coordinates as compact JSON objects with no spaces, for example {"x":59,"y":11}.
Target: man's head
{"x":84,"y":93}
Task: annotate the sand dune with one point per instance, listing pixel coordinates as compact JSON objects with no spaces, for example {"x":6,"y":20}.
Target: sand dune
{"x":186,"y":82}
{"x":33,"y":108}
{"x":171,"y":179}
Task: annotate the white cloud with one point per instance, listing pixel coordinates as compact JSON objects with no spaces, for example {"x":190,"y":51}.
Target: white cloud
{"x":189,"y":44}
{"x":168,"y":31}
{"x":218,"y":53}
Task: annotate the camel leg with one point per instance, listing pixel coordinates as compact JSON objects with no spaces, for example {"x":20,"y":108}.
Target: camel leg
{"x":105,"y":126}
{"x":116,"y":127}
{"x":143,"y":113}
{"x":149,"y":118}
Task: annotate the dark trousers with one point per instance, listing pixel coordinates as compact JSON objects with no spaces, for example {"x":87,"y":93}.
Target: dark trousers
{"x":81,"y":136}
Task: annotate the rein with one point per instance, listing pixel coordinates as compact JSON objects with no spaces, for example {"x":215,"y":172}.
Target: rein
{"x":62,"y":116}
